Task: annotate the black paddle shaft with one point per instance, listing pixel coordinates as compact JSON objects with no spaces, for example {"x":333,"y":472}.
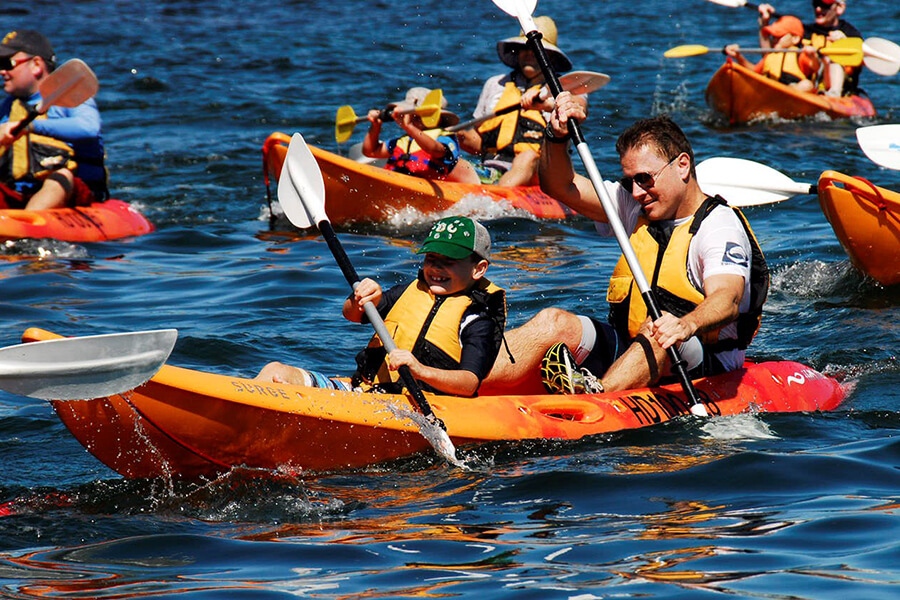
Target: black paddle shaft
{"x":32,"y":115}
{"x":679,"y":365}
{"x":343,"y":261}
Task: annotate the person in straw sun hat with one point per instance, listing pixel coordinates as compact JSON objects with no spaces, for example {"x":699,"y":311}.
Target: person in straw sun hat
{"x":509,"y":145}
{"x":421,"y":152}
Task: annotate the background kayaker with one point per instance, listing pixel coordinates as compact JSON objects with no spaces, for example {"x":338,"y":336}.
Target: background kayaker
{"x":509,"y":145}
{"x":426,"y":153}
{"x":795,"y":69}
{"x":710,"y":280}
{"x":70,"y":137}
{"x":827,"y":26}
{"x":447,"y":324}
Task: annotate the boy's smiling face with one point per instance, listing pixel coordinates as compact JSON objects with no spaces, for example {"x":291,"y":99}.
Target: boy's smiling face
{"x":445,"y":275}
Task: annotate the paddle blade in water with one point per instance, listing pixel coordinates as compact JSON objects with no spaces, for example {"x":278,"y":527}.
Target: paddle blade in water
{"x":881,"y":144}
{"x":70,"y":85}
{"x":881,"y":56}
{"x":686,"y":50}
{"x":84,"y":367}
{"x":344,"y":123}
{"x":301,"y":189}
{"x":746,"y":183}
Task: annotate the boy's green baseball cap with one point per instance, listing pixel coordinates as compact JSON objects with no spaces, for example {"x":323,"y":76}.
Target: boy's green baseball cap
{"x":458,"y":237}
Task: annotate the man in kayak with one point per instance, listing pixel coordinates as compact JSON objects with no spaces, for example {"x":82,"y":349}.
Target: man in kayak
{"x":58,"y":159}
{"x":426,"y":153}
{"x":827,"y":27}
{"x":447,"y":324}
{"x":509,"y":144}
{"x":795,"y":69}
{"x":698,"y":254}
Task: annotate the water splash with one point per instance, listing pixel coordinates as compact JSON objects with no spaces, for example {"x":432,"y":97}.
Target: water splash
{"x":745,"y":426}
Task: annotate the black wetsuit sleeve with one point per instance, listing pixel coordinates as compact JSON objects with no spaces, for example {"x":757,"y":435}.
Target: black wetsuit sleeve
{"x":480,"y":342}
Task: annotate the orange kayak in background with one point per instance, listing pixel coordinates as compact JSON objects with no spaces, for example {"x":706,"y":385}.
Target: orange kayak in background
{"x":358,"y":192}
{"x":866,"y":220}
{"x":97,"y":222}
{"x":189,"y":423}
{"x":743,"y":95}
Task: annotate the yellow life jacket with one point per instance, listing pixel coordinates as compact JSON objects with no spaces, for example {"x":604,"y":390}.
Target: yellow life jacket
{"x":33,"y":157}
{"x":513,"y":132}
{"x":428,"y":326}
{"x":407,"y":156}
{"x":665,"y":264}
{"x":783,"y":67}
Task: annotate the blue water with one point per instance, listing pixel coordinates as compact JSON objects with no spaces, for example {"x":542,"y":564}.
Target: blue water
{"x":778,"y":506}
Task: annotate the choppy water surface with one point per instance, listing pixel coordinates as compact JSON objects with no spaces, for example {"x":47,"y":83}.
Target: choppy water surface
{"x":780,"y":506}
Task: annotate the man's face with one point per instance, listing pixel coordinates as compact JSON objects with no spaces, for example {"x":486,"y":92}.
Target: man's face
{"x":663,"y":181}
{"x":20,"y":75}
{"x":528,"y":64}
{"x":827,"y":15}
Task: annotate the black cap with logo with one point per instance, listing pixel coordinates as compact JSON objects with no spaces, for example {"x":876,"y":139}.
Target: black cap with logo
{"x":30,"y":42}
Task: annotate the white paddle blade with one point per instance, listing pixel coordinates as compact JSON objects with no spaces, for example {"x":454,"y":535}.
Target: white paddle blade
{"x":522,"y":10}
{"x":881,"y":144}
{"x":583,"y":82}
{"x":730,"y":3}
{"x":301,"y":189}
{"x":84,"y":367}
{"x":70,"y":85}
{"x":881,"y":56}
{"x":746,"y":183}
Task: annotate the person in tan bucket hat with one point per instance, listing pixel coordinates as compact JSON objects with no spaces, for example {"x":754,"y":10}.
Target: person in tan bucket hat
{"x":509,"y":145}
{"x":421,"y":152}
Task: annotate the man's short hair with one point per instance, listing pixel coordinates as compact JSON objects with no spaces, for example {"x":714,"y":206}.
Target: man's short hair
{"x":661,"y":133}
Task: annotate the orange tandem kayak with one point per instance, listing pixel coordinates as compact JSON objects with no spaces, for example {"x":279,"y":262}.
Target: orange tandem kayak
{"x":188,"y":423}
{"x":97,"y":222}
{"x":866,"y":220}
{"x":357,"y":192}
{"x":743,"y":95}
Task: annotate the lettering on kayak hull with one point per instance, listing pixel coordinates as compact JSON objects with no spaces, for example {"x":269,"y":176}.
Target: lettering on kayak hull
{"x":653,"y":408}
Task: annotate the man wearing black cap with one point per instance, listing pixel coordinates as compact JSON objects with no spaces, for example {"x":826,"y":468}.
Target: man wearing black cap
{"x":38,"y":168}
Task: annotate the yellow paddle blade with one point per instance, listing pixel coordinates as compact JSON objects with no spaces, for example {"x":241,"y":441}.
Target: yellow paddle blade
{"x":687,"y":50}
{"x":847,"y":52}
{"x":344,"y":123}
{"x":430,"y":109}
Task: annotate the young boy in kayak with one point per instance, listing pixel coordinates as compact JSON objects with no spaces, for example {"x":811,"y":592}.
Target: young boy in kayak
{"x":58,"y":159}
{"x":795,"y":69}
{"x":422,"y":152}
{"x":447,"y":324}
{"x":827,"y":27}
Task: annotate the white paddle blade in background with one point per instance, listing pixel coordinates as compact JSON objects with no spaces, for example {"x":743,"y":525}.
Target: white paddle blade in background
{"x":730,"y":3}
{"x":881,"y":56}
{"x":521,"y":9}
{"x":70,"y":85}
{"x":746,"y":183}
{"x":583,"y":82}
{"x":84,"y":367}
{"x":881,"y":144}
{"x":301,"y":189}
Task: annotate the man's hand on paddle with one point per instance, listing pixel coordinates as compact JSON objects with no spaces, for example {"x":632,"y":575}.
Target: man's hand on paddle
{"x":669,"y":330}
{"x":567,"y":107}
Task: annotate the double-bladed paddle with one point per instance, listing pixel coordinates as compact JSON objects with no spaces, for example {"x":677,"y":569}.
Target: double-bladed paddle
{"x":881,"y":144}
{"x":522,"y":10}
{"x":847,"y":52}
{"x":301,"y":192}
{"x":71,"y":84}
{"x":84,"y":367}
{"x":429,"y":111}
{"x":577,"y":82}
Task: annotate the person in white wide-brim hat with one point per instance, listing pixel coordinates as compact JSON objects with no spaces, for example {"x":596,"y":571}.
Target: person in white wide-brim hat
{"x":509,"y":145}
{"x":421,"y":152}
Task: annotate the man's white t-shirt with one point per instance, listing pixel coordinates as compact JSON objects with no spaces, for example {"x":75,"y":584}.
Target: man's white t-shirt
{"x":720,"y":247}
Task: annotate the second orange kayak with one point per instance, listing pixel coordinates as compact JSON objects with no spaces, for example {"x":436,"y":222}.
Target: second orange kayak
{"x":357,"y":192}
{"x":743,"y":95}
{"x":97,"y":222}
{"x":866,"y":220}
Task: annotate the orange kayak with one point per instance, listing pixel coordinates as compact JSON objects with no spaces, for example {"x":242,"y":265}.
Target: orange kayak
{"x":866,"y":220}
{"x":97,"y":222}
{"x":743,"y":95}
{"x":188,"y":423}
{"x":357,"y":192}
